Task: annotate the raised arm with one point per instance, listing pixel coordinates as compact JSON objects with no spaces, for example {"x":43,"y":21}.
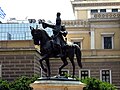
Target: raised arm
{"x":45,"y":25}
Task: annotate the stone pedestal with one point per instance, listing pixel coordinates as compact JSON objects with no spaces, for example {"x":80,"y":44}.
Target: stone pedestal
{"x":57,"y":84}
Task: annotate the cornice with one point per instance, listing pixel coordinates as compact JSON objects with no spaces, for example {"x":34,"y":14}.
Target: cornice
{"x":96,"y":4}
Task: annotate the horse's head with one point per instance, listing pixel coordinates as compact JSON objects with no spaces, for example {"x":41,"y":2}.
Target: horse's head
{"x":36,"y":35}
{"x":40,"y":36}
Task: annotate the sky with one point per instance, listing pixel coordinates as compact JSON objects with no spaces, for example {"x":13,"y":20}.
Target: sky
{"x":37,"y":9}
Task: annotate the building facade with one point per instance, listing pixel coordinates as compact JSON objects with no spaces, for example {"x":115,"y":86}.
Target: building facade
{"x":96,"y":30}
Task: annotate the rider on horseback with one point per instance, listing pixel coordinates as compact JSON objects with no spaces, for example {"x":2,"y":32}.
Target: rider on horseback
{"x":58,"y":32}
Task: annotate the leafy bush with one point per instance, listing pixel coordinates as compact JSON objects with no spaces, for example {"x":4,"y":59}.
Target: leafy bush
{"x":107,"y":86}
{"x":22,"y":83}
{"x":4,"y":85}
{"x":91,"y":84}
{"x":95,"y":84}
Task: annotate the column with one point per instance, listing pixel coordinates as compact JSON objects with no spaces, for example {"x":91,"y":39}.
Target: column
{"x":92,"y":38}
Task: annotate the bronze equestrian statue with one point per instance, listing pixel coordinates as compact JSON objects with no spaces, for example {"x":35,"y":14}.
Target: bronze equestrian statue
{"x":51,"y":46}
{"x":59,"y":32}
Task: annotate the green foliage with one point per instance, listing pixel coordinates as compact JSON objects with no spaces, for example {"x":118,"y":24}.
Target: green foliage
{"x":107,"y":86}
{"x":91,"y":83}
{"x":95,"y":84}
{"x":4,"y":85}
{"x":22,"y":83}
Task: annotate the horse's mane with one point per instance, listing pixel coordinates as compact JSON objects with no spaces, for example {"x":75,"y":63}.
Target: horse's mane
{"x":45,"y":33}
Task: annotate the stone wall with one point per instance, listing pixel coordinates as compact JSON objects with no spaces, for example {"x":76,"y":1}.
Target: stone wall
{"x":19,"y":63}
{"x":94,"y":67}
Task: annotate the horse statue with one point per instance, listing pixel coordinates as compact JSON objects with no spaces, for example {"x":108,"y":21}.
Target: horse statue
{"x":48,"y":50}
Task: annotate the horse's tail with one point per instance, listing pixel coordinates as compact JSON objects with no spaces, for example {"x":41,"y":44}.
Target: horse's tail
{"x":78,"y":55}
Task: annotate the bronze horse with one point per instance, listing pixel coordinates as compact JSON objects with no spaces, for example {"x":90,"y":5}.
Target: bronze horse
{"x":40,"y":37}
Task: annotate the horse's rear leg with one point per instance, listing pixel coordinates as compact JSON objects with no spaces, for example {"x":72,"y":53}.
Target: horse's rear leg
{"x":73,"y":64}
{"x":48,"y":67}
{"x":65,"y":63}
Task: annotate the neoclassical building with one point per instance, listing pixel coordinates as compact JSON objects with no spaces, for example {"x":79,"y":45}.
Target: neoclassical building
{"x":96,"y":30}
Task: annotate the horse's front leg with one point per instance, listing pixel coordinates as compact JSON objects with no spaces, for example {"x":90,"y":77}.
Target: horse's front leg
{"x":73,"y":64}
{"x":41,"y":60}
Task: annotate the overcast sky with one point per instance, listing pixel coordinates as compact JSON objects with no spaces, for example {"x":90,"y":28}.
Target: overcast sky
{"x":38,"y":9}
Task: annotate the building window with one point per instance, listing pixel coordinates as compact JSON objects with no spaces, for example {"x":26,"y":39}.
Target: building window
{"x":94,"y":11}
{"x":78,"y":43}
{"x":102,"y":10}
{"x":105,"y":75}
{"x":107,"y":40}
{"x":84,"y":74}
{"x":0,"y":71}
{"x":114,"y":10}
{"x":64,"y":72}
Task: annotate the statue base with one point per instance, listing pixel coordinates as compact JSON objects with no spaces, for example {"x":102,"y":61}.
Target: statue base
{"x":57,"y":84}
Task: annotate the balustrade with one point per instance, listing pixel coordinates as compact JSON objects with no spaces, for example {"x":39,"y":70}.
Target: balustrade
{"x":78,"y":23}
{"x":109,"y":15}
